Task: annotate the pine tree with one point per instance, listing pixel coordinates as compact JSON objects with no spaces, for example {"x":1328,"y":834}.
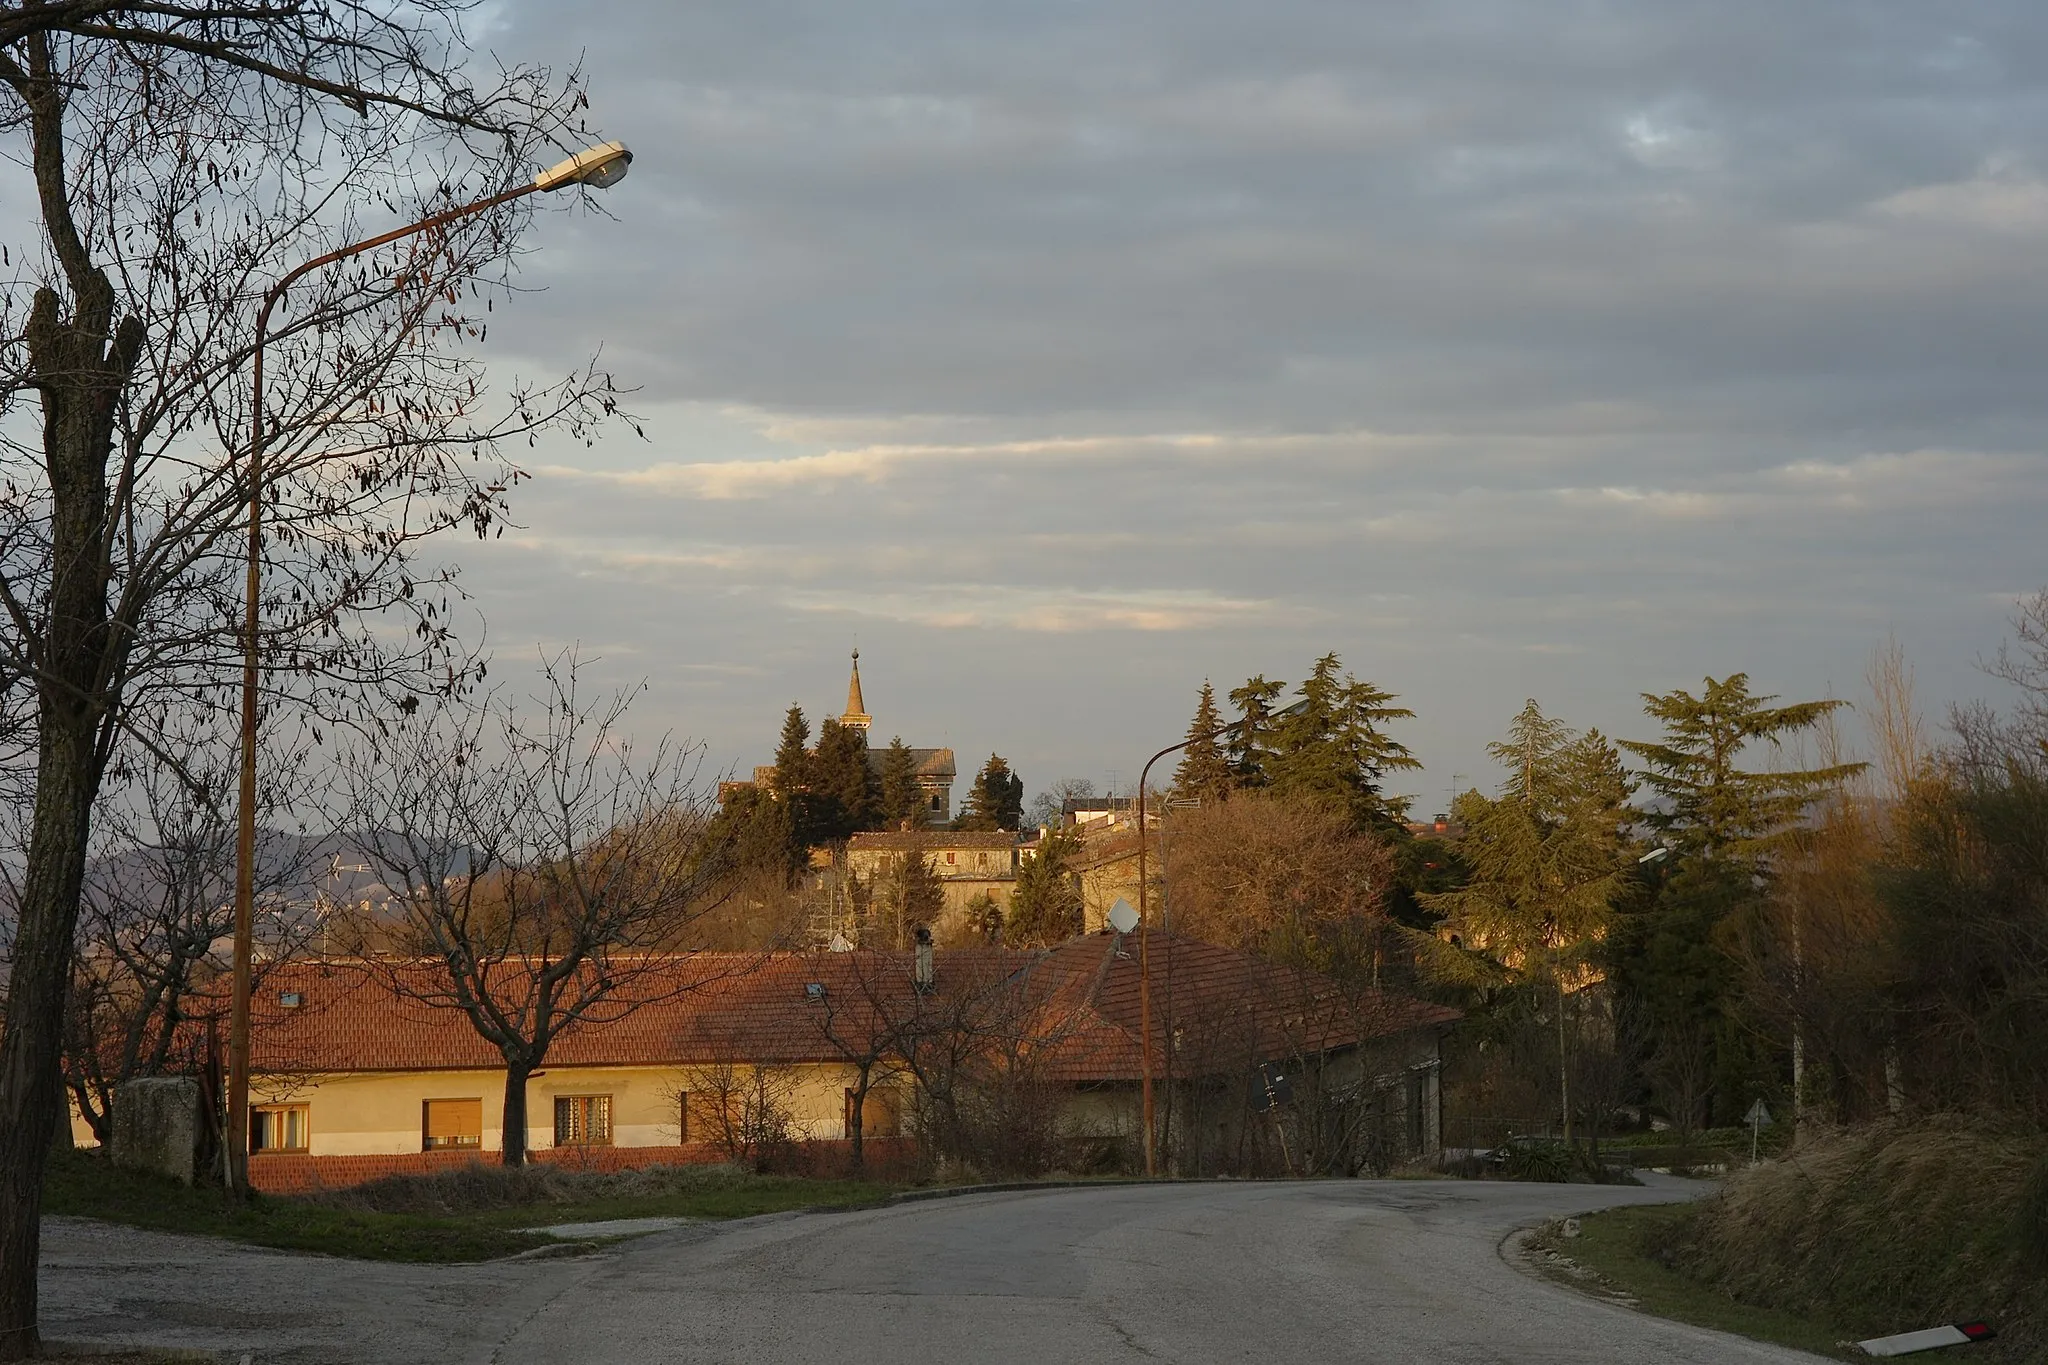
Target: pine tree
{"x":1729,"y":824}
{"x":919,"y":895}
{"x":1045,"y":907}
{"x":1204,"y":773}
{"x":1715,"y":809}
{"x":1333,"y":749}
{"x":1249,"y":748}
{"x":898,"y":798}
{"x":792,"y":754}
{"x":841,"y":781}
{"x":1548,"y":860}
{"x":995,"y":801}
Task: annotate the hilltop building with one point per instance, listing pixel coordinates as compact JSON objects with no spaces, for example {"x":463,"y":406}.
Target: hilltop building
{"x":933,"y":769}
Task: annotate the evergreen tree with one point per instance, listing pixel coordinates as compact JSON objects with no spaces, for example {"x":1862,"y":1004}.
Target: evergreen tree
{"x":1045,"y":906}
{"x":898,"y":797}
{"x":1548,"y":858}
{"x":793,"y":754}
{"x":919,"y":895}
{"x":1204,"y":772}
{"x":1331,"y":748}
{"x":1715,"y":809}
{"x":755,"y":832}
{"x":1248,"y":747}
{"x":1729,"y":823}
{"x":995,"y":801}
{"x":842,"y":783}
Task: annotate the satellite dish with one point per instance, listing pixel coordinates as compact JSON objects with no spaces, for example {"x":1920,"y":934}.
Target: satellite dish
{"x":1122,"y":918}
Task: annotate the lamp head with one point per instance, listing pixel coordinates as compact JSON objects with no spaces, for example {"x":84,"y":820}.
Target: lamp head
{"x":599,"y":167}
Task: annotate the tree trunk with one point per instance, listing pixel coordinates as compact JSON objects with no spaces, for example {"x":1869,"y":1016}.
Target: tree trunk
{"x":81,"y":364}
{"x":857,"y":1123}
{"x":31,"y":1056}
{"x":513,"y":1127}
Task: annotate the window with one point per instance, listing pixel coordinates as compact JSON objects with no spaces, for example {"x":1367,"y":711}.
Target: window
{"x":881,"y":1114}
{"x":938,"y":802}
{"x":583,"y":1120}
{"x":951,"y":856}
{"x":702,"y":1119}
{"x":452,"y":1123}
{"x":278,"y":1128}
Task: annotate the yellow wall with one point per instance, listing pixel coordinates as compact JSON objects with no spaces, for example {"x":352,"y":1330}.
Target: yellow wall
{"x":382,"y":1112}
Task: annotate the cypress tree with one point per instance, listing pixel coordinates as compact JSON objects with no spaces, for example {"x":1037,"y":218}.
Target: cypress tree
{"x":920,"y":896}
{"x":841,"y":780}
{"x":996,"y":800}
{"x":899,"y":799}
{"x":792,"y":754}
{"x":1203,"y":773}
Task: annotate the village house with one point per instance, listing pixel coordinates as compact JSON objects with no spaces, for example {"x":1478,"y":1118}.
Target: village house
{"x":969,"y":865}
{"x":356,"y":1079}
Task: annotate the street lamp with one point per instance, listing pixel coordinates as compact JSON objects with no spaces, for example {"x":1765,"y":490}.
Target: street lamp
{"x":1144,"y":923}
{"x":599,"y":167}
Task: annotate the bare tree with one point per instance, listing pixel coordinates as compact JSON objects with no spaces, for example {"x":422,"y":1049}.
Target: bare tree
{"x":552,"y":876}
{"x":158,"y":903}
{"x":867,"y":1029}
{"x":1285,"y":878}
{"x":184,"y":154}
{"x":744,"y":1108}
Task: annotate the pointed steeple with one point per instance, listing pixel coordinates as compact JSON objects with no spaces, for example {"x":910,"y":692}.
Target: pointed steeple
{"x":856,"y":717}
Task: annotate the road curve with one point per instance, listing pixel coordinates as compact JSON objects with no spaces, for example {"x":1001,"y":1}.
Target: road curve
{"x":1402,"y":1272}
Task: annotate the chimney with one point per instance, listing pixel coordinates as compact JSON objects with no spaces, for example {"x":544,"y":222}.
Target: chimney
{"x":923,"y":977}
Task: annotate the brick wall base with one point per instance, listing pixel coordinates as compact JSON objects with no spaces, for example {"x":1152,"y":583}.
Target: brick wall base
{"x":298,"y":1173}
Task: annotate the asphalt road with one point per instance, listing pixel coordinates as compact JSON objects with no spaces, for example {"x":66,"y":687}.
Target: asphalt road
{"x":1403,"y":1272}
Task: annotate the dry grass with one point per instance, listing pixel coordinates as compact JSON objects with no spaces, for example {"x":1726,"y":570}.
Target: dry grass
{"x":1887,"y":1229}
{"x":482,"y":1188}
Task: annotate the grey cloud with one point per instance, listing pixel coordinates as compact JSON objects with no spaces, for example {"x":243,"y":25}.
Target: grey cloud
{"x":1504,"y":347}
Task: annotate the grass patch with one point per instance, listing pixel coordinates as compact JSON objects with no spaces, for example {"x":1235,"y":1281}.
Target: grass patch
{"x":1890,"y":1227}
{"x":1622,"y":1247}
{"x":476,"y":1214}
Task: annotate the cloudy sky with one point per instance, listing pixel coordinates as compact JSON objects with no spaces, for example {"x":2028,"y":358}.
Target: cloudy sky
{"x":1063,"y":355}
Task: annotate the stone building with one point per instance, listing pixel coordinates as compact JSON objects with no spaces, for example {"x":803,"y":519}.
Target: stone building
{"x":933,"y":769}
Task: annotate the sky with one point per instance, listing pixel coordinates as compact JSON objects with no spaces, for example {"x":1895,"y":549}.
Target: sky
{"x":1061,"y":356}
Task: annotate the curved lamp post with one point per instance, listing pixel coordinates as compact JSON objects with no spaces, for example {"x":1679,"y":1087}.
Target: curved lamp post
{"x":1145,"y":925}
{"x":599,"y":167}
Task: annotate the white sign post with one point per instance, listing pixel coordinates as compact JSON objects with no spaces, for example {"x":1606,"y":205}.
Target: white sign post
{"x":1756,"y":1118}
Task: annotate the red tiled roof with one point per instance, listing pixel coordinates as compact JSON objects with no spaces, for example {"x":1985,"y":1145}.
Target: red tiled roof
{"x":932,"y":840}
{"x":1075,"y":1008}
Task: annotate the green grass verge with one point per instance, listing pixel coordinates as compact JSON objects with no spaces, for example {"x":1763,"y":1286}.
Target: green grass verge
{"x":85,"y":1186}
{"x":1616,"y":1244}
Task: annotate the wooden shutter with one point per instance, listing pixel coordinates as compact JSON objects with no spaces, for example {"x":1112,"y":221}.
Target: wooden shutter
{"x":455,"y":1123}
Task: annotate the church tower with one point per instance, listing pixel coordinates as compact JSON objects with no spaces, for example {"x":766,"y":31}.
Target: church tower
{"x":856,"y":717}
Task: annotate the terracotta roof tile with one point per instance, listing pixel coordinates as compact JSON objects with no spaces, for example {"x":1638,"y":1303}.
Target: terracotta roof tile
{"x":1077,"y":1005}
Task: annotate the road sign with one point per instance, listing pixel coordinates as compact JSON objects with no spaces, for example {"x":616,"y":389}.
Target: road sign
{"x":1909,"y":1343}
{"x":1758,"y":1116}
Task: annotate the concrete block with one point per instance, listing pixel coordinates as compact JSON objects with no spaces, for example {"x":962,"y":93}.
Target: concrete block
{"x":158,"y":1126}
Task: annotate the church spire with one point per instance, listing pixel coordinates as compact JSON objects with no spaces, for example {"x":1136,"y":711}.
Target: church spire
{"x":856,"y":717}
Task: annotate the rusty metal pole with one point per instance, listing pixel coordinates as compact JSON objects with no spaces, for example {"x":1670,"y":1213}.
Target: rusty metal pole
{"x":1145,"y":985}
{"x":237,"y":1135}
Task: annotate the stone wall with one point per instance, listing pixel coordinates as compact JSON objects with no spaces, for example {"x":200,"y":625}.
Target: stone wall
{"x":158,"y":1127}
